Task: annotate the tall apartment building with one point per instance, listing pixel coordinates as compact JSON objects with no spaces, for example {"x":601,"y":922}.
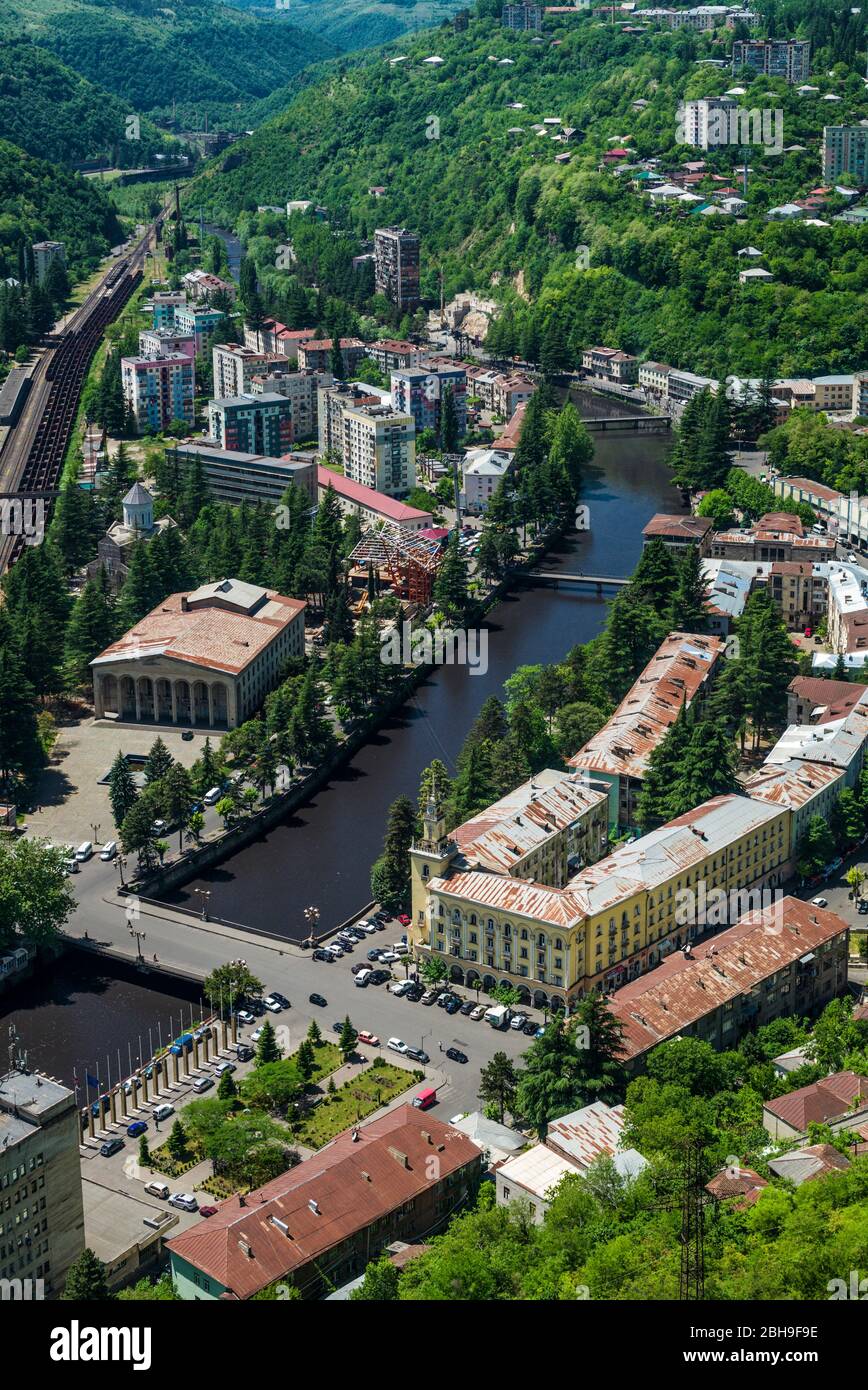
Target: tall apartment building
{"x":41,"y":1208}
{"x":315,"y":354}
{"x":44,"y":252}
{"x":787,"y":58}
{"x":165,"y":304}
{"x":157,"y":342}
{"x":522,"y":17}
{"x":845,"y":151}
{"x":301,"y":389}
{"x":252,"y":424}
{"x":332,"y":401}
{"x":419,"y":391}
{"x":396,"y":265}
{"x":394,"y":355}
{"x":380,"y":448}
{"x":235,"y":366}
{"x":159,"y":390}
{"x":706,"y":122}
{"x":199,"y":320}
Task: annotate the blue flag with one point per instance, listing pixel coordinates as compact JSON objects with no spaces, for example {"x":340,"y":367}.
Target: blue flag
{"x":92,"y":1080}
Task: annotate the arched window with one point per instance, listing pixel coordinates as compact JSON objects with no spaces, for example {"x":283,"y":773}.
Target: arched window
{"x":473,"y":919}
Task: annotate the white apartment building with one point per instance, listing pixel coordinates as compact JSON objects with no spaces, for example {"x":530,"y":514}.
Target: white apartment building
{"x":44,"y":252}
{"x":379,"y":449}
{"x":235,"y":366}
{"x":705,"y":123}
{"x":300,"y":389}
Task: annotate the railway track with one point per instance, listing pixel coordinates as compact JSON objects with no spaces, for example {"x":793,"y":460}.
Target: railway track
{"x":63,"y":377}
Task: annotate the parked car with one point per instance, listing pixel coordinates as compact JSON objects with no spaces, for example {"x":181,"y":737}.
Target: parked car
{"x":320,"y":954}
{"x":109,"y":850}
{"x":443,"y":1000}
{"x":529,"y":1029}
{"x":359,"y":966}
{"x":99,"y":1107}
{"x":187,"y":735}
{"x":338,"y":1025}
{"x":111,"y":1146}
{"x":374,"y":953}
{"x":244,"y":1053}
{"x":162,"y":1112}
{"x":819,"y":902}
{"x":203,"y":1083}
{"x":453,"y":1005}
{"x":418,"y":1054}
{"x":517,"y":1022}
{"x":539,"y":1032}
{"x":256,"y":1035}
{"x":185,"y":1200}
{"x":224,"y":1066}
{"x":456,"y":1054}
{"x":467,"y":1008}
{"x":335,"y":952}
{"x":281,"y":999}
{"x":400,"y":987}
{"x":414,"y":993}
{"x":256,"y":1007}
{"x":862,"y":905}
{"x":370,"y":1038}
{"x":272,"y":1005}
{"x":160,"y":827}
{"x":362,"y":979}
{"x":429,"y":996}
{"x":136,"y":1128}
{"x":388,"y":956}
{"x":397,"y":1045}
{"x":207,"y":1211}
{"x":157,"y":1189}
{"x":379,"y":977}
{"x":404,"y":919}
{"x":244,"y":1016}
{"x":477,"y":1013}
{"x":318,"y":1000}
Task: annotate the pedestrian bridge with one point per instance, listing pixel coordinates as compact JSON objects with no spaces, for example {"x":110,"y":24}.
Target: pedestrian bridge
{"x":598,"y":582}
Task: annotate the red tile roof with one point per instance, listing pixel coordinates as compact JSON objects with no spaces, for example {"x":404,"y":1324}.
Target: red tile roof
{"x":368,"y":497}
{"x":823,"y":1101}
{"x":347,"y":1186}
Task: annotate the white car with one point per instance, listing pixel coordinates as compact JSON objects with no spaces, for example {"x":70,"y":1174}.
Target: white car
{"x":185,"y":1200}
{"x":224,"y":1066}
{"x":852,"y":559}
{"x":272,"y":1005}
{"x":819,"y":902}
{"x":369,"y":927}
{"x":333,"y":951}
{"x":518,"y":1022}
{"x":159,"y":827}
{"x":477,"y":1013}
{"x":244,"y":1016}
{"x":256,"y":1035}
{"x":396,"y":1045}
{"x":388,"y":956}
{"x":162,"y":1112}
{"x":399,"y":987}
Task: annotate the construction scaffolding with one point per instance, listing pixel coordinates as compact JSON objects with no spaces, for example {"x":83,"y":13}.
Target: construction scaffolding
{"x":408,"y":563}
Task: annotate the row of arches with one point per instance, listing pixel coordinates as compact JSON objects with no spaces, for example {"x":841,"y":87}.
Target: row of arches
{"x":535,"y":998}
{"x":160,"y":700}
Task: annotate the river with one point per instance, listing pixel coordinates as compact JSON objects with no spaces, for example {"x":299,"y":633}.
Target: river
{"x":70,"y":1018}
{"x":323,"y":852}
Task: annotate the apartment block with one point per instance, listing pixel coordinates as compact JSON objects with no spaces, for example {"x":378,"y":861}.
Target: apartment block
{"x":159,"y":342}
{"x":315,"y":354}
{"x":272,"y":336}
{"x":41,"y":1207}
{"x":706,"y":122}
{"x":524,"y":18}
{"x":787,"y":959}
{"x":805,"y":789}
{"x":202,"y":286}
{"x":610,"y":363}
{"x":615,"y":919}
{"x":800,"y":592}
{"x":44,"y":254}
{"x":301,"y":389}
{"x":235,"y":366}
{"x":838,"y":743}
{"x":396,"y":265}
{"x":774,"y":537}
{"x":379,"y":448}
{"x":654,"y":378}
{"x":845,"y":151}
{"x":545,"y":830}
{"x":159,"y":390}
{"x":812,"y":700}
{"x":332,"y":401}
{"x":679,"y":672}
{"x":234,"y":476}
{"x":199,"y":320}
{"x":786,"y":58}
{"x":165,"y":304}
{"x":420,"y":391}
{"x":393,"y":355}
{"x":252,"y":424}
{"x":509,"y":393}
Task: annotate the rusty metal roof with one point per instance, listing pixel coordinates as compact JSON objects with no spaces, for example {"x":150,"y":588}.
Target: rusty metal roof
{"x":676,"y":671}
{"x":504,"y":833}
{"x":792,"y":784}
{"x":684,"y":989}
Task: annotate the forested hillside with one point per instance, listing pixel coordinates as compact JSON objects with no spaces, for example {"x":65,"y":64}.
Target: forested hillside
{"x":46,"y":108}
{"x":39,"y":200}
{"x":208,"y":57}
{"x":359,"y":23}
{"x":496,"y":211}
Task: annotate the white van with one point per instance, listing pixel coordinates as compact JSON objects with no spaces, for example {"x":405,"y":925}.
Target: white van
{"x":84,"y":852}
{"x":109,"y":850}
{"x":157,"y":1189}
{"x":363,"y":977}
{"x":162,"y":1112}
{"x":70,"y":866}
{"x":212,"y":797}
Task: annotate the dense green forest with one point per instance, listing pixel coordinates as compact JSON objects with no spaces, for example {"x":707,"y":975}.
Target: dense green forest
{"x":39,"y":200}
{"x":497,"y":212}
{"x":208,"y":58}
{"x":46,"y":108}
{"x":358,"y":23}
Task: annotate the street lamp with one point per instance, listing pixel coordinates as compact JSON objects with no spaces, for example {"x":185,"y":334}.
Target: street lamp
{"x":121,"y":862}
{"x":95,"y":832}
{"x":312,"y":916}
{"x":204,"y":894}
{"x":139,"y":938}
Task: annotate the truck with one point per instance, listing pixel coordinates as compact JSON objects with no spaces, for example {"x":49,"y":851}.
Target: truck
{"x":497,"y":1016}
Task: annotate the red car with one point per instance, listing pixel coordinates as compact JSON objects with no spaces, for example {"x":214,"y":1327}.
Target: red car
{"x":207,"y":1211}
{"x":404,"y":920}
{"x":370,"y":1038}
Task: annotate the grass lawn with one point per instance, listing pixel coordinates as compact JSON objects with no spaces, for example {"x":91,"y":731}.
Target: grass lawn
{"x":357,"y":1098}
{"x":328,"y":1059}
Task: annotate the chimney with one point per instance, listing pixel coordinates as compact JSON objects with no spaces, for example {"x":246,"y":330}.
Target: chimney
{"x":184,"y":604}
{"x":399,"y":1157}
